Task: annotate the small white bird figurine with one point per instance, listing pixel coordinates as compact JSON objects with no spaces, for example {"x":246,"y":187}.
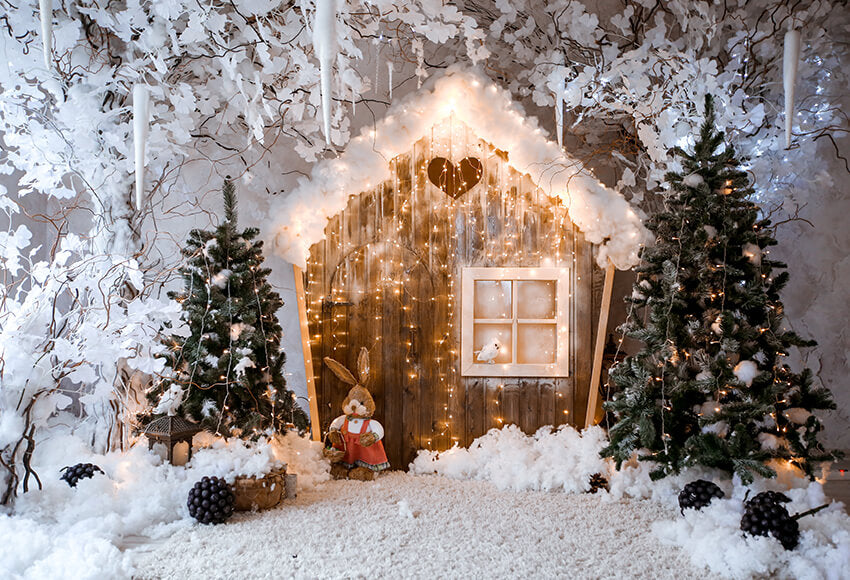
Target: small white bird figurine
{"x":170,"y":400}
{"x":489,"y":352}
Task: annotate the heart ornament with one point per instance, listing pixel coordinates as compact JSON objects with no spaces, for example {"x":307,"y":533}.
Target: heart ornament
{"x":455,"y":180}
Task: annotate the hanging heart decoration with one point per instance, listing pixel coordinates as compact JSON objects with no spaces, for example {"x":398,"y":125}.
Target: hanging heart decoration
{"x":455,"y":181}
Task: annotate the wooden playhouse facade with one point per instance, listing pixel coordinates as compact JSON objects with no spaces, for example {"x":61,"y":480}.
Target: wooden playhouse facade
{"x":456,"y":250}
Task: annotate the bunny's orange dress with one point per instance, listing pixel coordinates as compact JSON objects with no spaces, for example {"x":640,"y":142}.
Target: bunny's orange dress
{"x":356,"y":455}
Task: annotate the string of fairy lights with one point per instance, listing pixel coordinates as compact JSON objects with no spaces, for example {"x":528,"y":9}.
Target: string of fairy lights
{"x":401,"y":239}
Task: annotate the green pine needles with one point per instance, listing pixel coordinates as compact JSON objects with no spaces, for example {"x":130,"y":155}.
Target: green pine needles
{"x":711,"y":386}
{"x":229,"y":368}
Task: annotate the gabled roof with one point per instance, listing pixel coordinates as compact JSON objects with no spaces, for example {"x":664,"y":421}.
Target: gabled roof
{"x":602,"y":214}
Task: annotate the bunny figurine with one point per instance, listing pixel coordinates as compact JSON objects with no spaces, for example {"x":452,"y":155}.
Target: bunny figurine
{"x":356,"y":449}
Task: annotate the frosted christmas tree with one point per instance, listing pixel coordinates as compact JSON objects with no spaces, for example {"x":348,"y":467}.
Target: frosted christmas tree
{"x":227,"y":373}
{"x":711,"y":386}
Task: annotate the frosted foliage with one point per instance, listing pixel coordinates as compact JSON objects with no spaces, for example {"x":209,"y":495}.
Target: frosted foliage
{"x":536,"y":299}
{"x":493,"y":299}
{"x":536,"y":343}
{"x":485,"y":335}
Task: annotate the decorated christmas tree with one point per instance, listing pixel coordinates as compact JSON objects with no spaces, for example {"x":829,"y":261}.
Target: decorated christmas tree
{"x":712,"y":385}
{"x":227,"y":373}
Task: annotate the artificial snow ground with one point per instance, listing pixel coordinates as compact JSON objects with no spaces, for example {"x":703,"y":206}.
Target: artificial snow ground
{"x":511,"y":505}
{"x":426,"y":526}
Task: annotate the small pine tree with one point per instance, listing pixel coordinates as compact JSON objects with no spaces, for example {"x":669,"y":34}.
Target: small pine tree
{"x":228,"y":371}
{"x":711,"y":386}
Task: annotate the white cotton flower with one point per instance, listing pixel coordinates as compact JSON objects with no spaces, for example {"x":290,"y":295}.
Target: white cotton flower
{"x":752,"y":252}
{"x":637,"y":294}
{"x":746,"y":371}
{"x":244,"y":363}
{"x":797,"y":415}
{"x":770,"y":442}
{"x":221,"y":278}
{"x":211,"y":243}
{"x":693,"y":180}
{"x":720,"y":428}
{"x":208,"y":409}
{"x":237,"y":329}
{"x":708,"y":409}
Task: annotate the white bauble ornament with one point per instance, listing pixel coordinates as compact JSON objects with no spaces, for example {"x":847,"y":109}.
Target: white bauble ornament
{"x":790,"y":63}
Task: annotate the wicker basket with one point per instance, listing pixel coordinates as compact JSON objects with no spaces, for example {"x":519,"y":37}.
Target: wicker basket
{"x":263,"y":493}
{"x":332,"y":453}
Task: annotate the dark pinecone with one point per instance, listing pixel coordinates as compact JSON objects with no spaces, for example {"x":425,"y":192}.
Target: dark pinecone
{"x":767,"y":497}
{"x":71,"y":475}
{"x":767,"y":517}
{"x":597,"y":482}
{"x":698,"y":494}
{"x":210,"y":501}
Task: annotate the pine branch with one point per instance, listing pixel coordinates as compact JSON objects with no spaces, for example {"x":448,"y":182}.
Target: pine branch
{"x":229,"y":193}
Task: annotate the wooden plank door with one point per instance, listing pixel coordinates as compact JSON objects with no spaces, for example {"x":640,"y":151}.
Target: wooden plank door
{"x":381,"y":298}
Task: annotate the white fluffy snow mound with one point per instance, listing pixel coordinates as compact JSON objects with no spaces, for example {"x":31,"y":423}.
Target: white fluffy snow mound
{"x":563,"y":460}
{"x":712,"y":537}
{"x":60,"y":532}
{"x":560,"y":459}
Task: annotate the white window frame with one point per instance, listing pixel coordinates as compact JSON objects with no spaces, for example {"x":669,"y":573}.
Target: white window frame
{"x":470,"y":367}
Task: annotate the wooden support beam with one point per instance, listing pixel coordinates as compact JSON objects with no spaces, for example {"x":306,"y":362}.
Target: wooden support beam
{"x":601,"y":334}
{"x":315,"y":425}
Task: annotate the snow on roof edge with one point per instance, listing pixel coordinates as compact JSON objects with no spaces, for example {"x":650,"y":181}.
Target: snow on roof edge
{"x":603,"y":215}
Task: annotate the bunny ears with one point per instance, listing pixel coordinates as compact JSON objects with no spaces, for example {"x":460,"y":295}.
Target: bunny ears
{"x":345,"y":375}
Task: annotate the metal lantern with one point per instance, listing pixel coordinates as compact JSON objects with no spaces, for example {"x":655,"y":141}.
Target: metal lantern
{"x":171,"y":431}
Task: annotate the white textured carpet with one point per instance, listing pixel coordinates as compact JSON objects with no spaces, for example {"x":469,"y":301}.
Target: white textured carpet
{"x":406,"y":526}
